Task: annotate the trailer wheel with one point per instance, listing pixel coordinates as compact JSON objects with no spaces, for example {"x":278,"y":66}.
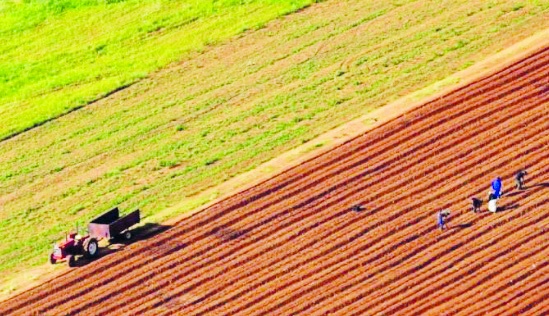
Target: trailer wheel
{"x":91,"y":248}
{"x":52,"y":259}
{"x":127,"y":235}
{"x":71,"y":261}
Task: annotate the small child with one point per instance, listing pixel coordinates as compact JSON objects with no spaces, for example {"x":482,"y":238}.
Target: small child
{"x":441,"y":219}
{"x":519,"y":179}
{"x":477,"y":203}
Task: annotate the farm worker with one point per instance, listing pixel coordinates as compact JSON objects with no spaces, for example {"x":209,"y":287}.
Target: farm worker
{"x":497,"y":187}
{"x":477,"y":203}
{"x":519,"y":179}
{"x":441,"y":218}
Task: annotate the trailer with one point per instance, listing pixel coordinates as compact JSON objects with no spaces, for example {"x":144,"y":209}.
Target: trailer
{"x":110,"y":225}
{"x":107,"y":226}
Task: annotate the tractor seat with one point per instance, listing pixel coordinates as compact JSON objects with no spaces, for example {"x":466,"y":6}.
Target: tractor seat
{"x":77,"y":237}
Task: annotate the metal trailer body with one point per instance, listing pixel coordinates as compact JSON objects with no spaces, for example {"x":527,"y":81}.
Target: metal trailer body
{"x":110,"y":225}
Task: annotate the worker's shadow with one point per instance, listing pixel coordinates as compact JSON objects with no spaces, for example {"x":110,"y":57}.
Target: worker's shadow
{"x":461,"y":226}
{"x":526,"y":189}
{"x":507,"y":207}
{"x":517,"y":193}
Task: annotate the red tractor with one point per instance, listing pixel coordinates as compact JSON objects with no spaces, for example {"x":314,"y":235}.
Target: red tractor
{"x":109,"y":226}
{"x":74,"y":245}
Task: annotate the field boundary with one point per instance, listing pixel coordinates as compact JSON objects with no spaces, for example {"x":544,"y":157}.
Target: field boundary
{"x":72,"y":110}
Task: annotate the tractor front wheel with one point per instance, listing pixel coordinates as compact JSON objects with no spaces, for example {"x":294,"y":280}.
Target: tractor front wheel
{"x":52,"y":259}
{"x":71,"y":261}
{"x":91,"y":248}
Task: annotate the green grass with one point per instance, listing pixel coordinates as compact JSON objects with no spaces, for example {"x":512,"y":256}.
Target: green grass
{"x":160,"y":142}
{"x":59,"y":55}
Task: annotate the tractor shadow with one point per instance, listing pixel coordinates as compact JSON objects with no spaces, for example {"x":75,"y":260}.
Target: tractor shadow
{"x":114,"y":245}
{"x":149,"y":230}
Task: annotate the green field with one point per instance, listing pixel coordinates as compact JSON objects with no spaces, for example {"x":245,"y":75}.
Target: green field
{"x":223,"y":111}
{"x":58,"y":55}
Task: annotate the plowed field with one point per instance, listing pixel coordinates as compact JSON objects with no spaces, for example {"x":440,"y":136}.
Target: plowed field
{"x":292,"y":245}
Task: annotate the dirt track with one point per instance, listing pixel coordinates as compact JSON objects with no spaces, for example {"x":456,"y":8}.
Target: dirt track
{"x":291,"y":245}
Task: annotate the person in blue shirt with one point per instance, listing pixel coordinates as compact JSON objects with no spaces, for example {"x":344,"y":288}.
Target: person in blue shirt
{"x":497,"y":187}
{"x":441,"y":219}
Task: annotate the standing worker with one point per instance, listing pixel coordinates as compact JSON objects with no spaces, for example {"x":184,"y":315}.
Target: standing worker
{"x":497,"y":187}
{"x":519,"y":179}
{"x":441,"y":219}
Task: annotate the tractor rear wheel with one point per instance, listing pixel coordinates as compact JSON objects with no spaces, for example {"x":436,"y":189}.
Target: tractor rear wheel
{"x":127,"y":235}
{"x":91,"y":248}
{"x":71,"y":261}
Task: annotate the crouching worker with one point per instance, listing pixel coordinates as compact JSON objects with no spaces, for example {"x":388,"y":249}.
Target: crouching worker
{"x":441,"y":219}
{"x":477,"y":203}
{"x":519,"y":179}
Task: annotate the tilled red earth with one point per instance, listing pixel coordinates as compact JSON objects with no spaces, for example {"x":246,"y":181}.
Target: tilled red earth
{"x":292,"y":245}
